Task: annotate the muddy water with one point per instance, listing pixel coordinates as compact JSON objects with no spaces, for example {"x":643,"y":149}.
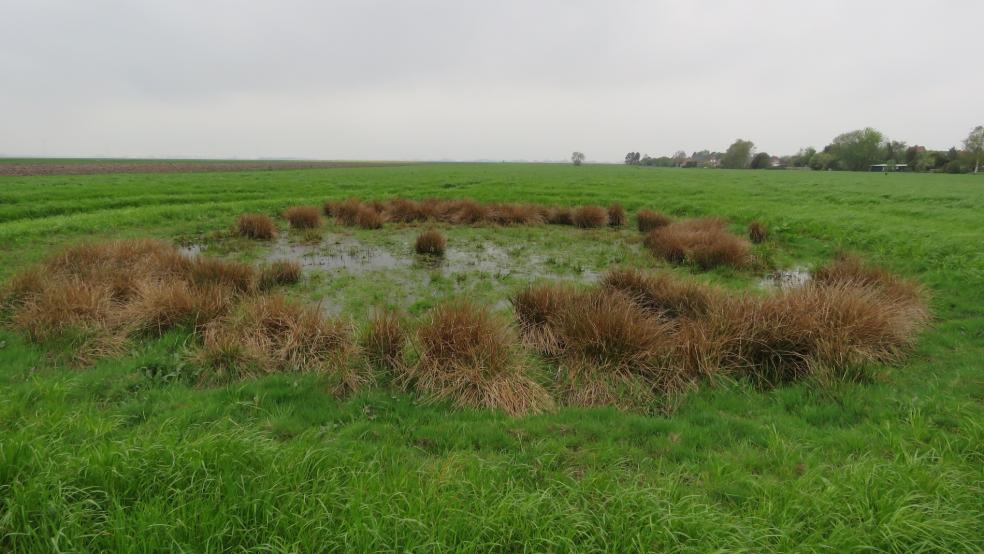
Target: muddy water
{"x":786,"y":278}
{"x":348,"y":254}
{"x":338,"y":253}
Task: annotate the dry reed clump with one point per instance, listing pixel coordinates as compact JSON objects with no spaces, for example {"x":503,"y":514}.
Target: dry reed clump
{"x":384,"y":339}
{"x":616,"y":215}
{"x":303,"y":217}
{"x":849,"y":268}
{"x":431,"y":242}
{"x":821,"y":332}
{"x":661,"y":293}
{"x":256,"y":226}
{"x":205,"y":271}
{"x":703,"y":242}
{"x":608,"y":350}
{"x":368,"y":217}
{"x":96,"y":296}
{"x":648,"y":220}
{"x":534,"y":306}
{"x":470,"y":357}
{"x":346,"y":212}
{"x":515,"y":214}
{"x":402,"y":210}
{"x":278,"y":273}
{"x":560,"y":216}
{"x":269,"y":334}
{"x":590,"y":217}
{"x":642,"y":329}
{"x":757,"y":232}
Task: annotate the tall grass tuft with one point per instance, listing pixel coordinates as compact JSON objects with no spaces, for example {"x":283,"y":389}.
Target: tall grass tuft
{"x":616,"y":215}
{"x":384,"y":339}
{"x":431,"y":242}
{"x":590,"y":217}
{"x":256,"y":226}
{"x":470,"y":357}
{"x":346,"y":212}
{"x":757,"y":232}
{"x":279,"y":273}
{"x":703,"y":242}
{"x":368,"y":217}
{"x":270,"y":334}
{"x":647,"y":220}
{"x":303,"y":217}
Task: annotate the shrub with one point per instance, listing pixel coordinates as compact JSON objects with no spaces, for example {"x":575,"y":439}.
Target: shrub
{"x":368,"y":217}
{"x":384,"y":339}
{"x":470,"y":357}
{"x":616,"y":215}
{"x":430,"y":242}
{"x":280,"y":272}
{"x":256,"y":226}
{"x":303,"y":217}
{"x":757,"y":232}
{"x":704,"y":242}
{"x":649,"y":220}
{"x":590,"y":216}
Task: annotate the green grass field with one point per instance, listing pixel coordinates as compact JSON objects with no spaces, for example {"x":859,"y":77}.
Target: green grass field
{"x":123,"y":456}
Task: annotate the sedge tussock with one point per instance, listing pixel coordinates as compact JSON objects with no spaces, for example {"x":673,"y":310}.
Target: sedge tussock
{"x":471,"y":357}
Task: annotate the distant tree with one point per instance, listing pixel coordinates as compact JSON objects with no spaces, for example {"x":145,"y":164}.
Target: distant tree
{"x":895,"y":149}
{"x":577,"y":158}
{"x":761,"y":161}
{"x":821,"y":161}
{"x":975,"y":146}
{"x":858,"y":150}
{"x":738,"y":155}
{"x":802,"y":158}
{"x":632,"y":158}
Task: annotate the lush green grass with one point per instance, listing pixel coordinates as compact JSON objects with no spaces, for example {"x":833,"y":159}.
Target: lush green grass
{"x":122,"y":456}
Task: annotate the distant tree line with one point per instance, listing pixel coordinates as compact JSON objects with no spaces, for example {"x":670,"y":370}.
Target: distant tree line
{"x":852,"y":151}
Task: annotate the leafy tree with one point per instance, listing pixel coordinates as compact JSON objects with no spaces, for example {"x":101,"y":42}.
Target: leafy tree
{"x":895,"y":149}
{"x":679,"y":157}
{"x":858,"y":150}
{"x":761,"y":161}
{"x":577,"y":158}
{"x":632,"y":158}
{"x":821,"y":161}
{"x":738,"y":155}
{"x":802,"y":158}
{"x":975,"y":146}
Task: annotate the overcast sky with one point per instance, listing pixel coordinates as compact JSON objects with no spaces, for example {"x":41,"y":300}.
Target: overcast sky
{"x":502,"y":79}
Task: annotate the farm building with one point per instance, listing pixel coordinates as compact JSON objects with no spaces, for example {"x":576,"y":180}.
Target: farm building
{"x":883,"y":168}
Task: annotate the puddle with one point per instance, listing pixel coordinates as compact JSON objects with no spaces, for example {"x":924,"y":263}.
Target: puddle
{"x":786,"y":278}
{"x":337,"y":253}
{"x":191,"y":250}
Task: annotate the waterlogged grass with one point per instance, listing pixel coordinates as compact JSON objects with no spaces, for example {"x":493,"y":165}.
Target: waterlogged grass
{"x":127,"y":456}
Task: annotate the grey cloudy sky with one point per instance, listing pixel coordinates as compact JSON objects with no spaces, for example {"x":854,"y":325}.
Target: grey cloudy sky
{"x":505,"y":79}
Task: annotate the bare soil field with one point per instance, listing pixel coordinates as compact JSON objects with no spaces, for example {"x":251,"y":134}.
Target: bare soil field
{"x":27,"y":167}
